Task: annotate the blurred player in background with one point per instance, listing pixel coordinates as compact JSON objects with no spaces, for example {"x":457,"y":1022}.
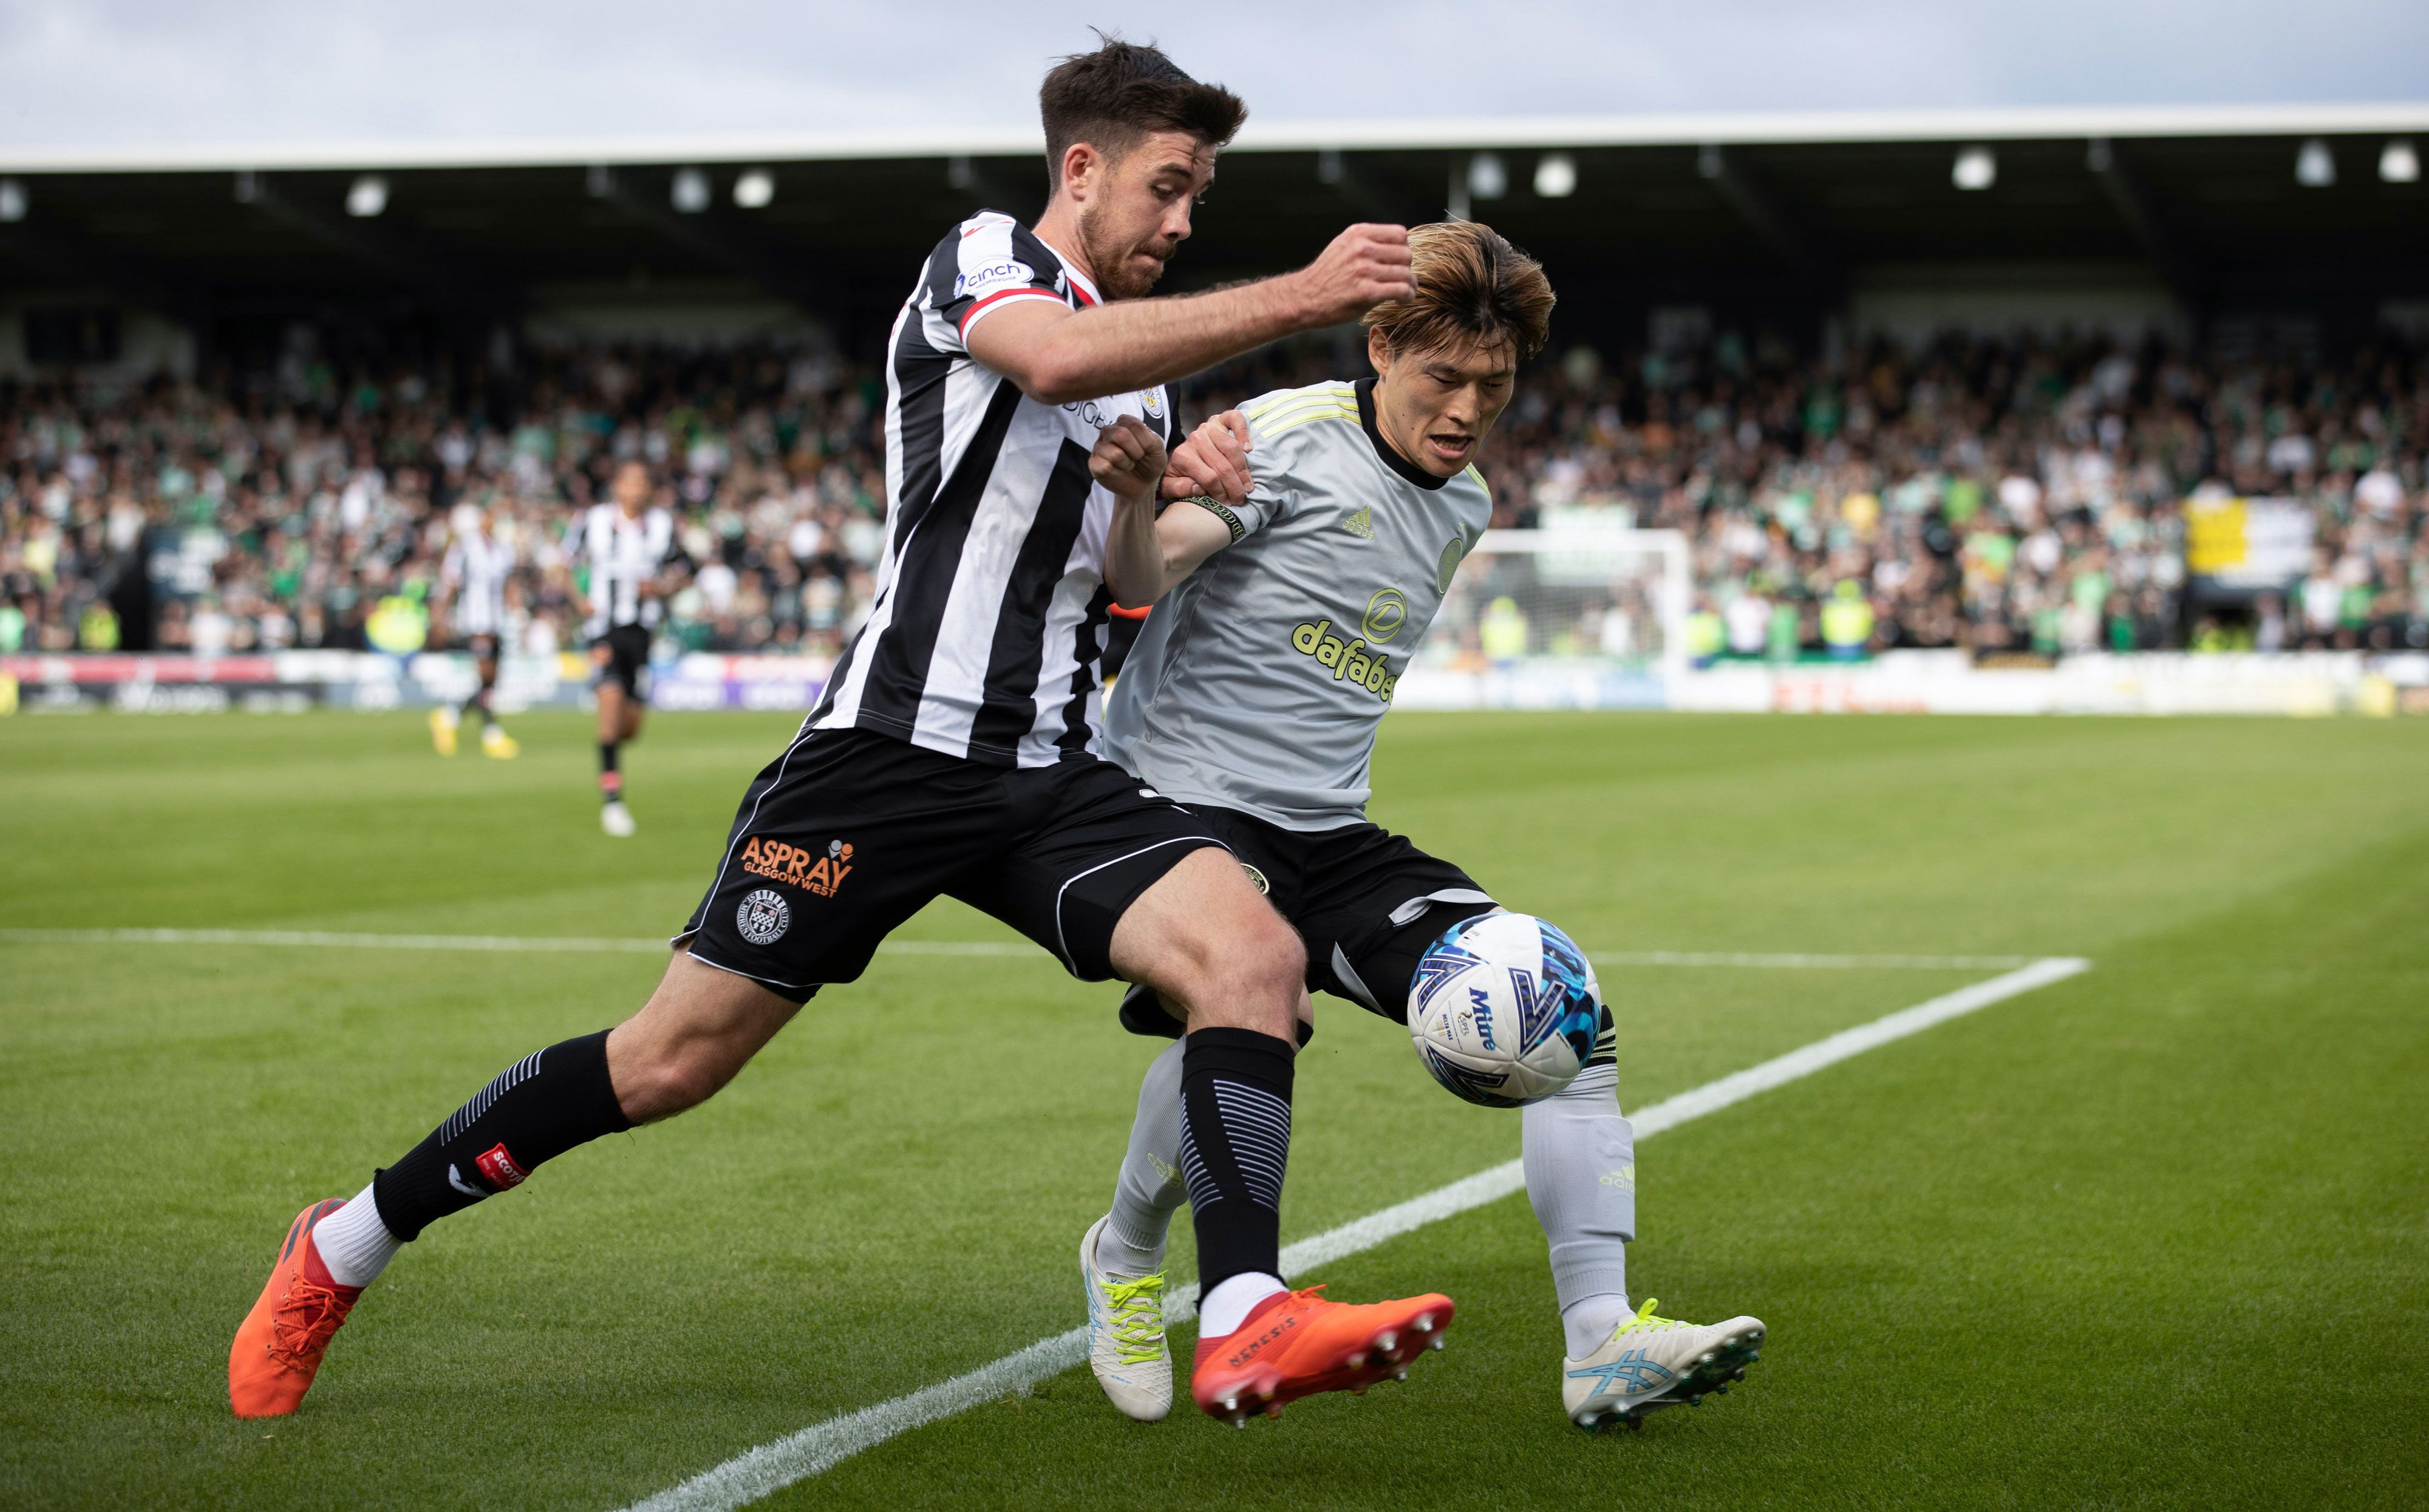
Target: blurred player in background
{"x":473,"y":597}
{"x":1253,"y":696}
{"x":633,"y":564}
{"x":956,"y":753}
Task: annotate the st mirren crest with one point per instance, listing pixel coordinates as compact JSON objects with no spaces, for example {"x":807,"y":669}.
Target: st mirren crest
{"x":1361,"y":524}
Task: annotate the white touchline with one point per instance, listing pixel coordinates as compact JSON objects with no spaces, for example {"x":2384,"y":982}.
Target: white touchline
{"x":771,"y":1467}
{"x":349,"y":941}
{"x":580,"y":944}
{"x":1806,"y":962}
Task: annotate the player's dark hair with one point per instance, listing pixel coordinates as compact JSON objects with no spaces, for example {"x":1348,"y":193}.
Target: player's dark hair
{"x":1472,"y":287}
{"x":1117,"y":96}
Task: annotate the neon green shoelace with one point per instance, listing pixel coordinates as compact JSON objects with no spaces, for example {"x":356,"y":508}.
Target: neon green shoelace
{"x":1137,"y":1311}
{"x":1645,"y":1322}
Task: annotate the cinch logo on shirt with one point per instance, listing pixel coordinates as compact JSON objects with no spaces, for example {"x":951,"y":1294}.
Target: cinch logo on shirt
{"x":1347,"y":661}
{"x":994,"y":275}
{"x":804,"y":869}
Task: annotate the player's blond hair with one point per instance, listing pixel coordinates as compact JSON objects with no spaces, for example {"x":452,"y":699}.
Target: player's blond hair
{"x":1472,"y":287}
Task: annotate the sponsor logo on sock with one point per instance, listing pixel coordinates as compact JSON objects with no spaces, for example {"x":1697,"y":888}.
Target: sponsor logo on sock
{"x":455,"y":1179}
{"x":764,"y":916}
{"x":500,"y":1168}
{"x":805,"y":869}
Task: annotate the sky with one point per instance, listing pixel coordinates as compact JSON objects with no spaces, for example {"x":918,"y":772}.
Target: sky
{"x":126,"y":72}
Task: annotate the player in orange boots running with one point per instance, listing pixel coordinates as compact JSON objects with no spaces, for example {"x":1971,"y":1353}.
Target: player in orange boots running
{"x":1296,"y":1344}
{"x":278,"y":1349}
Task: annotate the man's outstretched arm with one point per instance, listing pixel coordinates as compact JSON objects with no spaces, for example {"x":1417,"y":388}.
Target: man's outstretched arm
{"x":1060,"y":356}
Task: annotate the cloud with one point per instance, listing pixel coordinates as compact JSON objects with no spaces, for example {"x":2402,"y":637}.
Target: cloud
{"x":105,"y":71}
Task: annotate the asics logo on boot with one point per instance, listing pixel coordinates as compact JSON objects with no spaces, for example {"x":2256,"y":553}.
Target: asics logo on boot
{"x":1247,"y":1352}
{"x":1631,"y":1372}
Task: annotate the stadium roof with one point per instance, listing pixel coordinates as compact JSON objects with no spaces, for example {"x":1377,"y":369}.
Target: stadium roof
{"x":2015,"y":123}
{"x":1750,"y":211}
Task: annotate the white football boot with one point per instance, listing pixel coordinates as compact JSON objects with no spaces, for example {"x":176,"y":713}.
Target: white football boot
{"x":615,"y":819}
{"x":1650,"y":1362}
{"x":1126,"y":1345}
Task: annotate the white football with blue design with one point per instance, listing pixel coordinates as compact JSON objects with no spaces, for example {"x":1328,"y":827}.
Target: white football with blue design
{"x":1504,"y":1009}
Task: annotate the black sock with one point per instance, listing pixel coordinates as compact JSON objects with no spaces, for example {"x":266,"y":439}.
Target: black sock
{"x":611,"y":781}
{"x":536,"y":1110}
{"x":1235,"y":1093}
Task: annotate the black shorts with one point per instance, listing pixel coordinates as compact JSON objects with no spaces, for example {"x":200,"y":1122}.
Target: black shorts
{"x":482,"y":645}
{"x":850,"y":832}
{"x":1365,"y":901}
{"x":628,"y":659}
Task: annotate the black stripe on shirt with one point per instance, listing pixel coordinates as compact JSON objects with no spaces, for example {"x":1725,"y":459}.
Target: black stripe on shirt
{"x":842,"y":669}
{"x":1039,"y":257}
{"x":928,"y":560}
{"x":919,"y":375}
{"x":1019,"y":651}
{"x":1087,"y":644}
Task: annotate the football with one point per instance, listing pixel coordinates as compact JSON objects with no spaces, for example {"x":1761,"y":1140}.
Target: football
{"x":1504,"y":1009}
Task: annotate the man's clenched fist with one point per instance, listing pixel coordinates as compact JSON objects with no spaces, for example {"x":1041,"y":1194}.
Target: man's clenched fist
{"x":1129,"y":459}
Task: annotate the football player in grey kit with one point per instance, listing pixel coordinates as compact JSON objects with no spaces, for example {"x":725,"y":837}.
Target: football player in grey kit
{"x":1290,"y":590}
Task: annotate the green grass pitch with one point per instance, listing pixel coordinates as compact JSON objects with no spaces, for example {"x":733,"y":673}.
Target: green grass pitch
{"x":2156,"y":1236}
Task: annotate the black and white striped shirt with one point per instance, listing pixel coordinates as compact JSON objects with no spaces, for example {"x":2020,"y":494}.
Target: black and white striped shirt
{"x":623,"y":554}
{"x":984,"y":637}
{"x":476,"y":569}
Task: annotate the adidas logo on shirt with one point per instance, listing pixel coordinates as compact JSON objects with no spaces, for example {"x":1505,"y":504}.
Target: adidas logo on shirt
{"x":1361,"y":524}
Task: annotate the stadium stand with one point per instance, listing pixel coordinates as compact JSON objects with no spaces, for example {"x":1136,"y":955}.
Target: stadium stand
{"x":2024,"y":496}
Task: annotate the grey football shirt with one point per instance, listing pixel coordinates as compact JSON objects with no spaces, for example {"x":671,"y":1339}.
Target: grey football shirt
{"x":1260,"y":680}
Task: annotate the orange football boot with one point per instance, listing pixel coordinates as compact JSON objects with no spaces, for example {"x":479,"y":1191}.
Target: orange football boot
{"x":280,"y":1345}
{"x":1296,"y":1344}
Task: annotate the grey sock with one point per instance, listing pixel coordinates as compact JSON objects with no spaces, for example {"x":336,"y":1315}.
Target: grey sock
{"x":1151,"y":1189}
{"x":1580,"y":1163}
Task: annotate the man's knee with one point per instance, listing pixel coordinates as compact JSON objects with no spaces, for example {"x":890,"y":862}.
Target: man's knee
{"x":697,"y":1030}
{"x":656,"y":1076}
{"x":1246,"y":973}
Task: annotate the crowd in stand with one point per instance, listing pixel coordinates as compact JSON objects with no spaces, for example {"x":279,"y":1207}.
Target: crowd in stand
{"x":2005,"y":497}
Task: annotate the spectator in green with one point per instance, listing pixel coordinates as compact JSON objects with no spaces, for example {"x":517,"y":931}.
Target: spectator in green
{"x":1781,"y":644}
{"x":1502,"y":630}
{"x":97,"y":627}
{"x":1846,"y":621}
{"x":1704,"y":634}
{"x":399,"y":625}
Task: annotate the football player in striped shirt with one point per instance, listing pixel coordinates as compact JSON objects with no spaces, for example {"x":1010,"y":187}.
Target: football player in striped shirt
{"x":632,"y":563}
{"x":1285,"y":615}
{"x":473,"y":595}
{"x":957,"y":753}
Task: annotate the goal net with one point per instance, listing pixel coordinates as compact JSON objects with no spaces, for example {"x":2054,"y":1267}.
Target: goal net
{"x":1578,"y":617}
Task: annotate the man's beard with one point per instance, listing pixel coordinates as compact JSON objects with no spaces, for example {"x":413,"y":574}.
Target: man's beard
{"x":1116,"y":278}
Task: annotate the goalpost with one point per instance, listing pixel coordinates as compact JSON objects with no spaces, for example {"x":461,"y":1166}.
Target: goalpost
{"x":1576,"y":616}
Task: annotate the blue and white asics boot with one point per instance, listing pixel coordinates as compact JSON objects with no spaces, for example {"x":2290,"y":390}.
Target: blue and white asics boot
{"x":1650,"y":1362}
{"x":1126,"y":1345}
